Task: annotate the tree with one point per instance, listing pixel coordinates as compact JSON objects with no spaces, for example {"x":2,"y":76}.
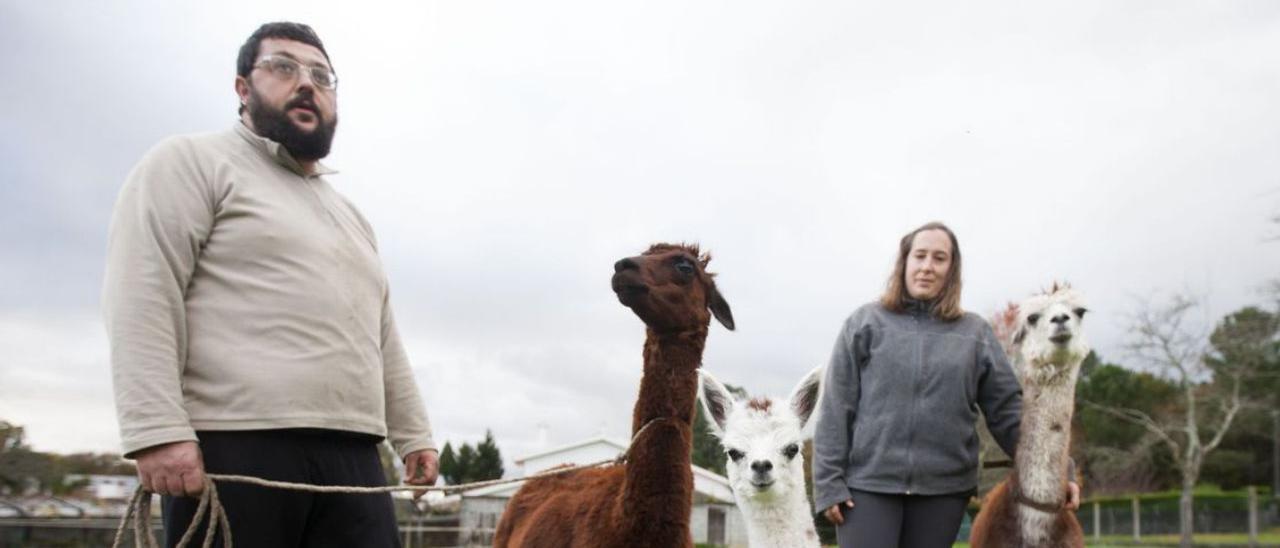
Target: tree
{"x":22,"y":469}
{"x":706,"y":451}
{"x":470,"y":464}
{"x":1117,"y":456}
{"x":1209,"y":400}
{"x":449,"y":464}
{"x":1246,"y":342}
{"x":487,"y":464}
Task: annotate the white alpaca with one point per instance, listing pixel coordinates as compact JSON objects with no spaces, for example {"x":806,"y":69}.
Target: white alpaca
{"x":1027,"y":509}
{"x":766,"y":470}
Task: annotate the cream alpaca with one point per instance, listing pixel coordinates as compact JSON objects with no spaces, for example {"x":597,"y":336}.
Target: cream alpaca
{"x":763,"y":441}
{"x":1027,"y":509}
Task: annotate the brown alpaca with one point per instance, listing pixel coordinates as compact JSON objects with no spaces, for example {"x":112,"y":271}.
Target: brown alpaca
{"x":1028,"y":509}
{"x":645,"y":502}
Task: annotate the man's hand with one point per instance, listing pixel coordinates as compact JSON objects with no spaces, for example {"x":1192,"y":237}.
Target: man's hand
{"x":1073,"y":496}
{"x":174,"y":469}
{"x":421,"y":468}
{"x":834,"y":514}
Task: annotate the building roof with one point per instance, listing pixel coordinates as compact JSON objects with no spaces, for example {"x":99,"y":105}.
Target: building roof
{"x":620,"y":446}
{"x":712,"y":486}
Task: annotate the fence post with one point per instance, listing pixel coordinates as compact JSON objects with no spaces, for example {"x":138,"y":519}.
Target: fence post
{"x":1253,"y":516}
{"x":1097,"y":521}
{"x":1137,"y":520}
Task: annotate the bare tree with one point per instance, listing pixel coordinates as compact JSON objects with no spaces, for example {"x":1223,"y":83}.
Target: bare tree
{"x":1162,"y":339}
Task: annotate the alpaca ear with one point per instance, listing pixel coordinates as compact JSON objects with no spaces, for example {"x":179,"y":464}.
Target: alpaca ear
{"x":804,"y":398}
{"x":1019,"y":335}
{"x":719,"y":308}
{"x":716,"y":400}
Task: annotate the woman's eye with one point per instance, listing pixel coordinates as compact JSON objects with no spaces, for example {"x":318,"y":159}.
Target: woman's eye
{"x":736,"y":455}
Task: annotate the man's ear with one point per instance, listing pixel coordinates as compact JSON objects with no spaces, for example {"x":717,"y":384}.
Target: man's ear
{"x":242,"y":90}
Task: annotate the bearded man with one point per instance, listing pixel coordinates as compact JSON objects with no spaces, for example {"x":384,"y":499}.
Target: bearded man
{"x":250,"y":326}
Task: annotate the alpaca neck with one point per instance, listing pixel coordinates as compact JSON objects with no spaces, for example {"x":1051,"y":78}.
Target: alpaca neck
{"x":782,"y":521}
{"x":1045,"y":437}
{"x":1041,"y":461}
{"x":657,"y":496}
{"x":670,"y":383}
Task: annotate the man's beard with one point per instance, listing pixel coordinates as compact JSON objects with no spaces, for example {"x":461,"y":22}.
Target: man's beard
{"x":275,"y":125}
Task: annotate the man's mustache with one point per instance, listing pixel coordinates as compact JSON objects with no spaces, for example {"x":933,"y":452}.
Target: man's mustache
{"x":302,"y":101}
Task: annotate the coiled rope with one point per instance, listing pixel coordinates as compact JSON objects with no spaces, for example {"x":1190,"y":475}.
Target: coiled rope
{"x":138,"y":516}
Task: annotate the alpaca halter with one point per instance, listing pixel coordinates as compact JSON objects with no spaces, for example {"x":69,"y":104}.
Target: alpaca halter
{"x":1047,"y":507}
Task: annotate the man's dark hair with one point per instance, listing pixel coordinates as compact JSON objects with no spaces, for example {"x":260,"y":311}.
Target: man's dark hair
{"x":285,"y":30}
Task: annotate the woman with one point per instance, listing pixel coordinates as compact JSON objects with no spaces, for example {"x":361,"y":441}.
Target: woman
{"x":896,"y":449}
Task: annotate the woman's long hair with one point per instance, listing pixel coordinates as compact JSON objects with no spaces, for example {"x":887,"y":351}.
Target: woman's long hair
{"x":946,"y":305}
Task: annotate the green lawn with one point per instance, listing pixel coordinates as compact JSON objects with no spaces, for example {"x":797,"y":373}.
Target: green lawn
{"x":1269,"y":538}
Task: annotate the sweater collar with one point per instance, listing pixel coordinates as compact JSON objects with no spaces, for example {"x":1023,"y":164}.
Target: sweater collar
{"x":918,"y":307}
{"x":278,"y":153}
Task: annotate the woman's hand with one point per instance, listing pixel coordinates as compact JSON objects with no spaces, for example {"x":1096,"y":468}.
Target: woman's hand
{"x":833,"y":514}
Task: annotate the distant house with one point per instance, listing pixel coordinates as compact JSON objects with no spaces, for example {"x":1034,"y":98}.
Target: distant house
{"x":105,"y":487}
{"x":715,"y":519}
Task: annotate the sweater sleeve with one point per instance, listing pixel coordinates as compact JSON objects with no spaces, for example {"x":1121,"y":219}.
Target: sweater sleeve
{"x":836,"y":414}
{"x":163,"y":216}
{"x":999,"y":394}
{"x":408,"y":428}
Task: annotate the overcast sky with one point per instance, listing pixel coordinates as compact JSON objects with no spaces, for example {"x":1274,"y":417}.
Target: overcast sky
{"x":508,"y":153}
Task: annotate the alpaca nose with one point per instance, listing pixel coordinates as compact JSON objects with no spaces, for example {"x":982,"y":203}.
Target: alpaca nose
{"x":1060,"y":319}
{"x":761,"y":466}
{"x":625,"y":264}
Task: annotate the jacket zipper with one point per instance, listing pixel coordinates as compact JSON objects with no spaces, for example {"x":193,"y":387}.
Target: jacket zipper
{"x":915,"y":397}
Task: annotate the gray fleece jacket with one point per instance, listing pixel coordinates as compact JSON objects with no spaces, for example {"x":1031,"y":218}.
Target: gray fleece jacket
{"x":901,"y":400}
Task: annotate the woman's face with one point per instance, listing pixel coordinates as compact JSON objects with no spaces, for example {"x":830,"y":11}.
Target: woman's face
{"x":928,"y":264}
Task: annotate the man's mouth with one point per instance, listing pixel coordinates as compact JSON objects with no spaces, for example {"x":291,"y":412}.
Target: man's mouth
{"x":305,"y":106}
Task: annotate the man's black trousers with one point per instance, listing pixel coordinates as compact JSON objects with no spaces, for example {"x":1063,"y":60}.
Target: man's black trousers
{"x":278,"y":518}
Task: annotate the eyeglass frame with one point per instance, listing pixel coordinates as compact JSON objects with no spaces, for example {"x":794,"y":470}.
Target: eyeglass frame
{"x":265,"y":61}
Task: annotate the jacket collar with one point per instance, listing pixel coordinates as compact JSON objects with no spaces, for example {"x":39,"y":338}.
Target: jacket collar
{"x":918,"y":307}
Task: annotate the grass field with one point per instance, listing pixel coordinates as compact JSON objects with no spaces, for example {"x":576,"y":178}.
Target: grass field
{"x":1267,"y":539}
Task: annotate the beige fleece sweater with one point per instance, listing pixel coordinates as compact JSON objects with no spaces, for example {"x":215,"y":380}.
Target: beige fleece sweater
{"x":242,"y":295}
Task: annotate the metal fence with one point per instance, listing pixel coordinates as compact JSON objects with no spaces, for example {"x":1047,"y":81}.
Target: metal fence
{"x":1137,"y":517}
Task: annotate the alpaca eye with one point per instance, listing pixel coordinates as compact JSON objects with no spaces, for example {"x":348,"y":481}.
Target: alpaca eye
{"x":1080,"y":312}
{"x":791,"y":451}
{"x":1032,"y":319}
{"x":685,"y":267}
{"x":736,"y":455}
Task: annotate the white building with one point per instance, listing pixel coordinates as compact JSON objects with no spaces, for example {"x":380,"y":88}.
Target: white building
{"x":105,"y":487}
{"x":715,"y":519}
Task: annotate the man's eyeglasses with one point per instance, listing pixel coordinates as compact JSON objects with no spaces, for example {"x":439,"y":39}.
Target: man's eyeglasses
{"x":289,"y":69}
